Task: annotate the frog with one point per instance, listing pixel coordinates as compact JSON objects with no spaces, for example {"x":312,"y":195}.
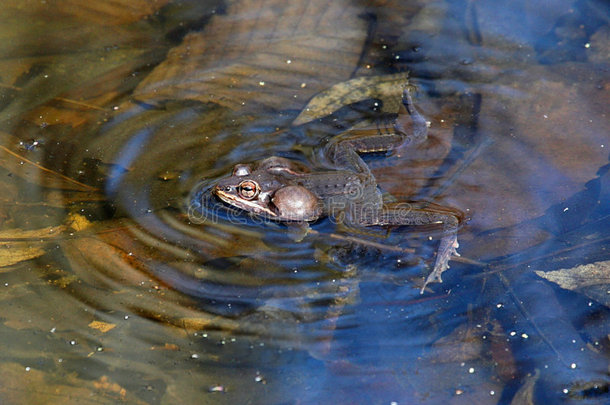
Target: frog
{"x":343,"y":188}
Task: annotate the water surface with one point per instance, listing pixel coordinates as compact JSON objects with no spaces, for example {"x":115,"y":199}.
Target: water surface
{"x":115,"y":119}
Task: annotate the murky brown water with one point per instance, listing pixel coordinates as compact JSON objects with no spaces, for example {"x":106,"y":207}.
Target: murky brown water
{"x":116,"y":285}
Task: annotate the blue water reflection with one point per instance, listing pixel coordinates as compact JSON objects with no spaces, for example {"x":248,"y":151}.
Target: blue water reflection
{"x":206,"y":303}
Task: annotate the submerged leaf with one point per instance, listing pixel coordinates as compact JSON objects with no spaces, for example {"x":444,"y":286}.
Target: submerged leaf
{"x":387,"y":88}
{"x":272,"y":53}
{"x":114,"y":12}
{"x":591,"y":279}
{"x":18,"y":252}
{"x":35,"y":234}
{"x":102,"y":326}
{"x":597,"y":273}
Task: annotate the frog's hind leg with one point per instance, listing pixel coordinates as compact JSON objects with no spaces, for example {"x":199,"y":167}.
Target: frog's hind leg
{"x":407,"y":214}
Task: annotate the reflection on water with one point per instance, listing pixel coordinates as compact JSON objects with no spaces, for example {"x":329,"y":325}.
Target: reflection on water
{"x":113,"y":291}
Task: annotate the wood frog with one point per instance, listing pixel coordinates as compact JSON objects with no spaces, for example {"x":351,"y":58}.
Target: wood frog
{"x":345,"y":189}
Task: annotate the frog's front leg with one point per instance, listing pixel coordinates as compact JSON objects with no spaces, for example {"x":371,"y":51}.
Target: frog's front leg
{"x":342,"y":151}
{"x":407,"y":214}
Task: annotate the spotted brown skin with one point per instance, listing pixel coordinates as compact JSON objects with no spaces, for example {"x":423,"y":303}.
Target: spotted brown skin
{"x":284,"y":190}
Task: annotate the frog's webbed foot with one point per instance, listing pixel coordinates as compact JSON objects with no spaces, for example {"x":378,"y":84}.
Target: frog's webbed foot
{"x":446,"y":250}
{"x":411,"y":214}
{"x":418,"y":123}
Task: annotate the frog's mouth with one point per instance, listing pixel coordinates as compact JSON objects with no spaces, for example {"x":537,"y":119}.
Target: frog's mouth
{"x":246,"y":205}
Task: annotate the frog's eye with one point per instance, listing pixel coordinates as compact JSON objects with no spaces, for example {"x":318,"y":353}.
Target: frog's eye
{"x":248,"y":189}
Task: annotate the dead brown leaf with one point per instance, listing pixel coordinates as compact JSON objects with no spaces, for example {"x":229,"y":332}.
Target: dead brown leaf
{"x":463,"y":344}
{"x":18,"y":252}
{"x":272,"y":53}
{"x":102,"y":326}
{"x":111,"y":12}
{"x":78,"y":222}
{"x":547,"y":142}
{"x":591,"y":279}
{"x":387,"y":88}
{"x":35,"y":234}
{"x":597,"y":273}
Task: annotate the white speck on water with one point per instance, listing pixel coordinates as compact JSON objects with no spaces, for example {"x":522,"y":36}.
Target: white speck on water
{"x":524,"y":335}
{"x":500,"y":305}
{"x":471,"y":370}
{"x":27,"y":369}
{"x":565,"y":209}
{"x":492,"y":392}
{"x":565,"y":390}
{"x":261,"y":83}
{"x":303,"y":85}
{"x":573,"y":366}
{"x":587,"y":45}
{"x":513,"y":333}
{"x":288,"y":61}
{"x":259,"y":378}
{"x":194,"y":356}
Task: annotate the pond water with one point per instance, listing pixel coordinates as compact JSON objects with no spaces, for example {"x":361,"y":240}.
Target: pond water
{"x":124,"y":280}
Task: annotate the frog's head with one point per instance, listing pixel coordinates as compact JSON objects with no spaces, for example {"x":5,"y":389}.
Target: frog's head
{"x":269,"y":191}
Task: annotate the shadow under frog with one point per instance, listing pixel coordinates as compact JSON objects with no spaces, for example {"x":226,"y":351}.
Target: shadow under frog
{"x":345,"y":189}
